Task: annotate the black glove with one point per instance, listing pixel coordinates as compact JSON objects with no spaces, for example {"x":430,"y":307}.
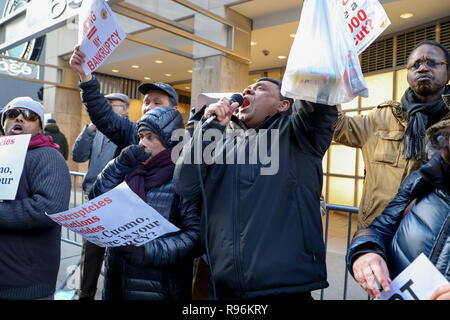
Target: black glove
{"x":133,"y":155}
{"x":131,"y":254}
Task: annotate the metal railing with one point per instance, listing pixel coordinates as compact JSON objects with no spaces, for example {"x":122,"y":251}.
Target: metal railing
{"x":350,"y":211}
{"x":77,"y":198}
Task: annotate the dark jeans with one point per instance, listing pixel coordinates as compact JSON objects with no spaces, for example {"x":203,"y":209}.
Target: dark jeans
{"x":90,"y":266}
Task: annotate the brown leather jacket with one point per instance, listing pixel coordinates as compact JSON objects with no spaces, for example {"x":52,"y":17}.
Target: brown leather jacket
{"x":379,"y":134}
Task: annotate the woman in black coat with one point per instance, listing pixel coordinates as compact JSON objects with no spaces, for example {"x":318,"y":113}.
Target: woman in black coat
{"x":393,"y":241}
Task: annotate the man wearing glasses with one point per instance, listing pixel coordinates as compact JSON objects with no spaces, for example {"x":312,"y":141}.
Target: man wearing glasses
{"x":393,"y":136}
{"x":29,"y":240}
{"x":94,"y":146}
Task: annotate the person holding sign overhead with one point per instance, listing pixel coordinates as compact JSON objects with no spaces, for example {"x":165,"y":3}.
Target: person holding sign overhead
{"x":393,"y":240}
{"x":162,"y":268}
{"x":118,"y":129}
{"x":29,"y":240}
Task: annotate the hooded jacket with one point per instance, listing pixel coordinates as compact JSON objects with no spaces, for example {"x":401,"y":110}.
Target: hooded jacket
{"x":260,"y":220}
{"x":426,"y":227}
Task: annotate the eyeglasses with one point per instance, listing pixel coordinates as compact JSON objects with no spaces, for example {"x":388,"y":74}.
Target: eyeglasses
{"x":428,"y":63}
{"x":14,"y":113}
{"x":121,"y":106}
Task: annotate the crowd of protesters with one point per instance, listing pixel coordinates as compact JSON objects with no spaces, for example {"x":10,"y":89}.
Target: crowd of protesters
{"x":244,"y":234}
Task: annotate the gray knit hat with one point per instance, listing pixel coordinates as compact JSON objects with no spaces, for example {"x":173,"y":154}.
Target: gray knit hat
{"x":162,"y":121}
{"x":27,"y":103}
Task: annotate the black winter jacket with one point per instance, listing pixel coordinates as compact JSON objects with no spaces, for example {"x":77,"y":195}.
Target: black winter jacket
{"x":118,"y":129}
{"x":264,"y":231}
{"x":165,"y":270}
{"x":424,"y":229}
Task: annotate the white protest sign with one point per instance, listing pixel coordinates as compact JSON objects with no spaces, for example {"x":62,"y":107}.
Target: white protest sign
{"x":116,"y":218}
{"x":99,"y":33}
{"x":13,"y":150}
{"x":417,"y":282}
{"x":366,"y":20}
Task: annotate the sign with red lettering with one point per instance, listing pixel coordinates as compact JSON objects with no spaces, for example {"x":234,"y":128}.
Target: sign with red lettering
{"x":13,"y":150}
{"x":99,"y":33}
{"x":366,"y":20}
{"x":116,"y":218}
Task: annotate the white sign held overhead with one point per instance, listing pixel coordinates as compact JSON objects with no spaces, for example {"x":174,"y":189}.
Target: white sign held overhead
{"x":99,"y":33}
{"x":13,"y":150}
{"x":116,"y":218}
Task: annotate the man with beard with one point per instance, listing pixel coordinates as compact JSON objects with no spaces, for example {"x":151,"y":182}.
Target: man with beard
{"x":393,"y":136}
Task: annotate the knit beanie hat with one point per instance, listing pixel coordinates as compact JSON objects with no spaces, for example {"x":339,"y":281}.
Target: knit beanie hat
{"x":27,"y":103}
{"x":162,"y":121}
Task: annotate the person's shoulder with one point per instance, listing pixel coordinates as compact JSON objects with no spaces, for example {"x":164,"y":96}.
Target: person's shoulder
{"x":389,"y":104}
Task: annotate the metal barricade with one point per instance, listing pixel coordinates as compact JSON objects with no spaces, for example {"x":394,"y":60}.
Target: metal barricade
{"x":350,"y":211}
{"x":76,"y":198}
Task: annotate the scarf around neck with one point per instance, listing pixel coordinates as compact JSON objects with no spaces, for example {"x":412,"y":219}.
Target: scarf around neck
{"x":40,"y":140}
{"x":420,"y":116}
{"x":156,"y":172}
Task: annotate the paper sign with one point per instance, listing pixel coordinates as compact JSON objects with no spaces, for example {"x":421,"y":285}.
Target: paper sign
{"x":417,"y":282}
{"x":116,"y":218}
{"x":99,"y":33}
{"x":366,"y":20}
{"x":13,"y":150}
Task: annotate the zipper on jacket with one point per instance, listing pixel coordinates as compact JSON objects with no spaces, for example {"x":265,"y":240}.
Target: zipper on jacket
{"x":439,"y":241}
{"x":236,"y":240}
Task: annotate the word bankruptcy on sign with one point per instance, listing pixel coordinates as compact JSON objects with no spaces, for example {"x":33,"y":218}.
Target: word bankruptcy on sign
{"x":99,"y":33}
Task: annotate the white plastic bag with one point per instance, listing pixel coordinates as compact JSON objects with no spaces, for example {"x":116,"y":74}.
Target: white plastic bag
{"x":323,"y":66}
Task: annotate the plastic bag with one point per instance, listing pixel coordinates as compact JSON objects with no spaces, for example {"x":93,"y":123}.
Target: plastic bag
{"x":323,"y":66}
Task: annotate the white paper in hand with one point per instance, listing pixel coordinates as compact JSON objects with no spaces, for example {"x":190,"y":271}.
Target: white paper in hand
{"x":116,"y":218}
{"x":417,"y":282}
{"x":13,"y":150}
{"x":99,"y":33}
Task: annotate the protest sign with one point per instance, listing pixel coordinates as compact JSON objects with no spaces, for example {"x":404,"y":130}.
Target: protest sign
{"x":417,"y":282}
{"x":99,"y":33}
{"x":13,"y":150}
{"x":366,"y":20}
{"x":116,"y":218}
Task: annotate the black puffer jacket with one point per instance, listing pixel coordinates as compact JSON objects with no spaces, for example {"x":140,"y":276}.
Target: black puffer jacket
{"x":116,"y":128}
{"x":165,"y":270}
{"x":424,"y":229}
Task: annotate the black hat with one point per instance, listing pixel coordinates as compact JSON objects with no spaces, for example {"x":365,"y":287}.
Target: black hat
{"x":162,"y":121}
{"x":161,"y":86}
{"x":51,"y":121}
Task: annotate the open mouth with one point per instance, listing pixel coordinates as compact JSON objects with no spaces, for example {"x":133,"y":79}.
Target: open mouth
{"x":245,"y":104}
{"x":17,"y":129}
